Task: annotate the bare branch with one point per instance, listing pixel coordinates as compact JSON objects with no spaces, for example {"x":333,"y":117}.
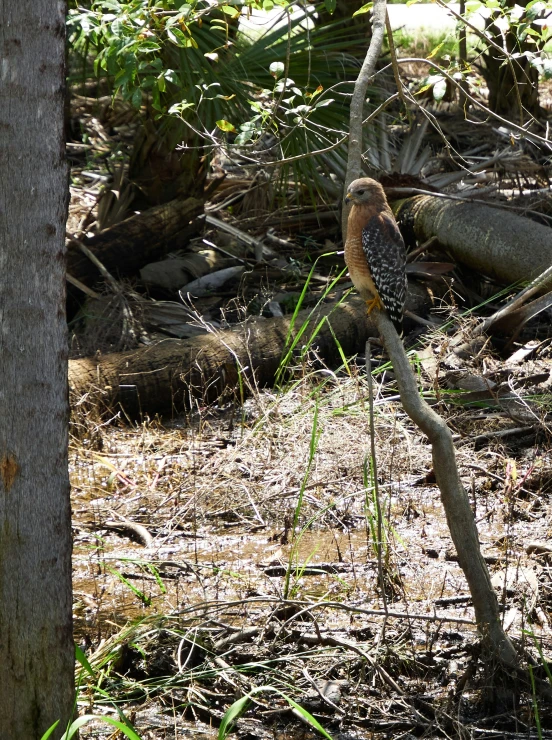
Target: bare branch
{"x":455,"y":500}
{"x":359,"y":96}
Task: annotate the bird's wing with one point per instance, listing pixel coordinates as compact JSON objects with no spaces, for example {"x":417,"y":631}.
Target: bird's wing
{"x":384,"y":248}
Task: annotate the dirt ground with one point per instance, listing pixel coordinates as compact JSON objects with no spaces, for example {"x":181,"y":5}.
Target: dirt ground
{"x":251,"y":556}
{"x":237,"y":548}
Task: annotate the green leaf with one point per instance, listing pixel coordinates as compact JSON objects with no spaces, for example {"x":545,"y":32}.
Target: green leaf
{"x":137,"y":102}
{"x":472,"y":6}
{"x":225,"y":125}
{"x":229,"y":10}
{"x":179,"y":108}
{"x":330,"y":6}
{"x":547,"y":69}
{"x":436,"y":50}
{"x":177,"y":37}
{"x":243,"y":137}
{"x":172,"y":76}
{"x":140,"y":594}
{"x":365,"y":9}
{"x":156,"y":98}
{"x":312,"y":95}
{"x":517,"y":12}
{"x":307,"y":717}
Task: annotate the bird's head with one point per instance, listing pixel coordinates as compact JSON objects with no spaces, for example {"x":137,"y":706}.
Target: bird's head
{"x":364,"y":190}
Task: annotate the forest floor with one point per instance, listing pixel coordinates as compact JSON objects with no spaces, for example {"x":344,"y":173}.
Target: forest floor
{"x":235,"y":551}
{"x":241,"y":554}
{"x":255,"y":564}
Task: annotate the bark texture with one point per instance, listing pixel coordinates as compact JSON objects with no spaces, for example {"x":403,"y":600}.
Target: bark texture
{"x":164,"y":377}
{"x":146,"y":237}
{"x":36,"y":640}
{"x":514,"y":84}
{"x":498,"y":243}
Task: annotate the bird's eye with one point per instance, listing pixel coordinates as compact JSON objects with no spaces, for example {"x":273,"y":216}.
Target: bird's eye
{"x":360,"y":192}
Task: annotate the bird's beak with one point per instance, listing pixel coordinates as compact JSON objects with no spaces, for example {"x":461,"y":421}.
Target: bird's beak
{"x":348,"y":198}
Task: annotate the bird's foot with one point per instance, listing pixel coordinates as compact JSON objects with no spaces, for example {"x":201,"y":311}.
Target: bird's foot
{"x":374,"y":303}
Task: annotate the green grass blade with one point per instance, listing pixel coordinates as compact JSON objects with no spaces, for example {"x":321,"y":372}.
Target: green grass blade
{"x":140,"y":594}
{"x":307,"y":716}
{"x":81,"y":721}
{"x":232,"y":714}
{"x":83,"y":660}
{"x":49,"y":731}
{"x":535,"y":703}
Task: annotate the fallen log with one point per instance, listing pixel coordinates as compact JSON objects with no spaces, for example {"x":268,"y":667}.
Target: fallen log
{"x":145,"y":237}
{"x":164,"y":377}
{"x":495,"y":242}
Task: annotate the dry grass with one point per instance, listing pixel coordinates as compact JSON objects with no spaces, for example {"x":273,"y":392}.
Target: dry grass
{"x":218,"y":491}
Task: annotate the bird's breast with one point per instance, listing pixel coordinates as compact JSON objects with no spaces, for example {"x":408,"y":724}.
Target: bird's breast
{"x":355,"y":259}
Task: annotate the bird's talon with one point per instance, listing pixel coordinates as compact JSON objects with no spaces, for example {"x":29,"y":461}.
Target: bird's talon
{"x":374,"y":303}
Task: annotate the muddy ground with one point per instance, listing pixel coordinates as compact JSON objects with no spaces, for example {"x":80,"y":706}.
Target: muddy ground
{"x":193,"y":587}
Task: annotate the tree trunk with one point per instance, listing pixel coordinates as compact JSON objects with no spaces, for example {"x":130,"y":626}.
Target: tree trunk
{"x":162,"y":378}
{"x":36,"y":640}
{"x":498,"y":243}
{"x":146,"y":237}
{"x":513,"y":84}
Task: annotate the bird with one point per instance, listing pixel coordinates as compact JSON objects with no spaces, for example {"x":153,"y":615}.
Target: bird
{"x":374,"y":250}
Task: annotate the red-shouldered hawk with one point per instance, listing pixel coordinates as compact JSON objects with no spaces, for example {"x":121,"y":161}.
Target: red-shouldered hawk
{"x":374,"y":249}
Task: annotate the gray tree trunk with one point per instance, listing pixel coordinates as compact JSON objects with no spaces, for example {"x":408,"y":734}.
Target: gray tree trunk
{"x":501,"y":244}
{"x":36,"y":640}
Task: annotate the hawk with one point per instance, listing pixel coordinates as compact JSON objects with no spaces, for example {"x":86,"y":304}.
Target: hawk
{"x":374,"y":250}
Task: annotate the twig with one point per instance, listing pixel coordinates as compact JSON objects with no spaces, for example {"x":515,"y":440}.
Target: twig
{"x":128,"y":318}
{"x":474,"y":466}
{"x":140,"y":532}
{"x":255,"y":244}
{"x":431,"y":242}
{"x":396,"y":71}
{"x":463,"y":58}
{"x":357,"y":101}
{"x":332,"y":641}
{"x":534,"y":286}
{"x":338,"y":143}
{"x":81,"y":286}
{"x":321,"y":694}
{"x":370,"y":612}
{"x":374,"y":467}
{"x":455,"y":500}
{"x":407,"y":192}
{"x":95,"y":261}
{"x":477,"y":103}
{"x":498,"y":434}
{"x":489,"y":41}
